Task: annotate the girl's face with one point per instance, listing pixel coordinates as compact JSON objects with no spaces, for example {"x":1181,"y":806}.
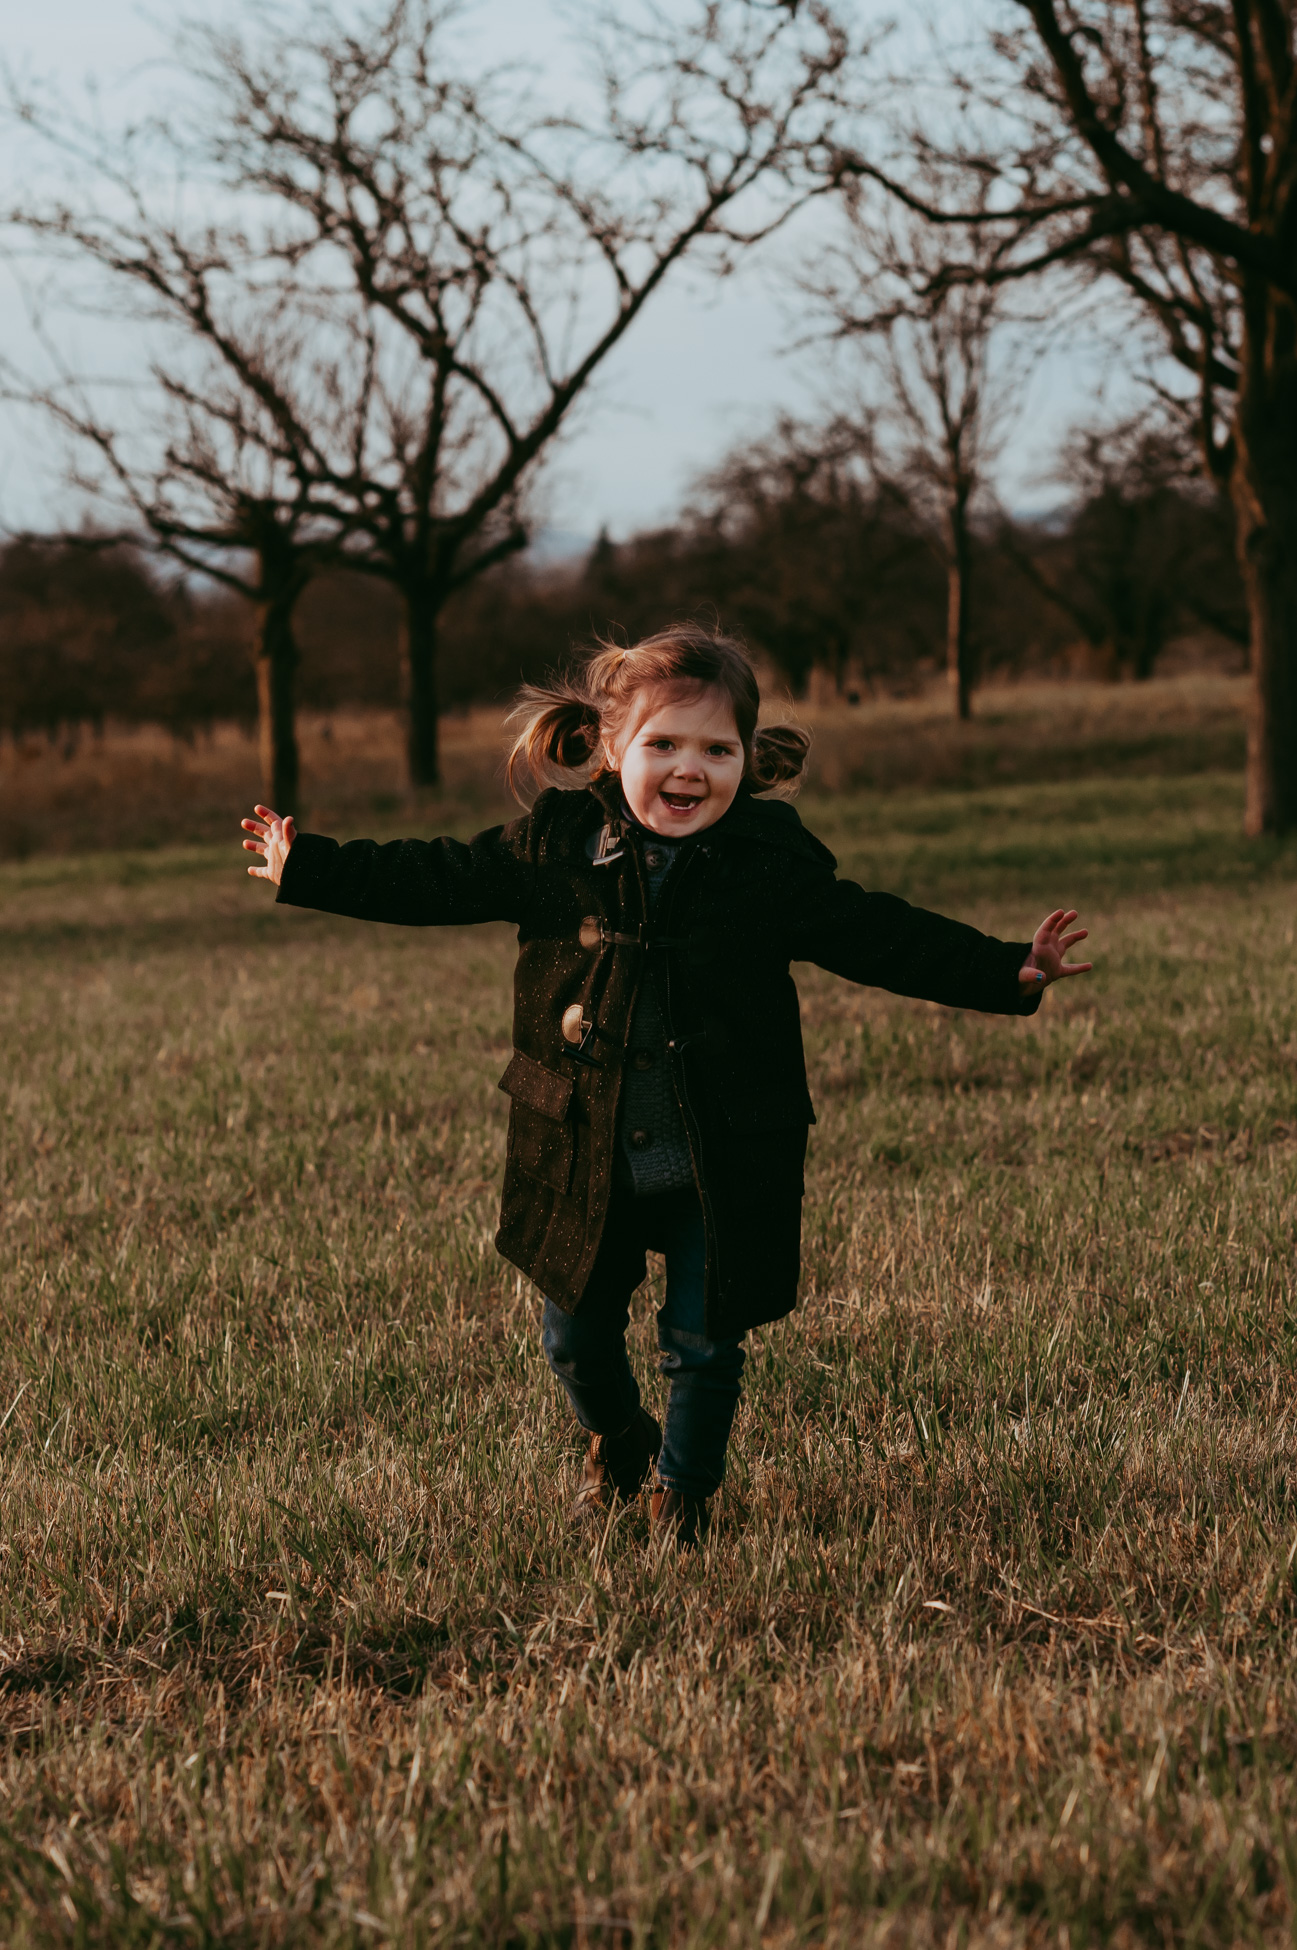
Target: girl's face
{"x":680,"y":758}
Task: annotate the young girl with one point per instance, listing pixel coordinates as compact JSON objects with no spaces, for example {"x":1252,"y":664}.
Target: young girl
{"x":658,"y":1088}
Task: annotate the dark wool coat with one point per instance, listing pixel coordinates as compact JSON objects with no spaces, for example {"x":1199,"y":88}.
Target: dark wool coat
{"x":751,"y":894}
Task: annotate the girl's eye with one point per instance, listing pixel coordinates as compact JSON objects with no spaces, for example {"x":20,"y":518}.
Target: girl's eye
{"x":719,"y":751}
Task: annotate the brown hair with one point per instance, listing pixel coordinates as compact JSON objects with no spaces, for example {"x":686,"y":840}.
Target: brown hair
{"x":563,"y":723}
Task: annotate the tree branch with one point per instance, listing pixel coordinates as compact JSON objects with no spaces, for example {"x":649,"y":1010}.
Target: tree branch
{"x":1170,"y":209}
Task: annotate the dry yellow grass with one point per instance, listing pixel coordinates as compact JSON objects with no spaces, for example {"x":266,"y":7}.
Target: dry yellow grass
{"x":139,"y":787}
{"x":1032,"y":730}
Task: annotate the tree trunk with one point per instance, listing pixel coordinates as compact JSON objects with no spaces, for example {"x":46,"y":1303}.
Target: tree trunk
{"x":1148,"y":643}
{"x":276,"y":684}
{"x":959,"y":636}
{"x":1264,"y":488}
{"x":419,"y":685}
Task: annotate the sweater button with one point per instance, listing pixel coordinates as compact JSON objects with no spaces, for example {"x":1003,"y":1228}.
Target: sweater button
{"x":653,"y":860}
{"x":642,"y":1059}
{"x":641,"y":1140}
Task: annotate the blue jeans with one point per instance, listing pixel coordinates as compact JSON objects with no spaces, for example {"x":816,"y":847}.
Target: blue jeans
{"x":587,"y":1349}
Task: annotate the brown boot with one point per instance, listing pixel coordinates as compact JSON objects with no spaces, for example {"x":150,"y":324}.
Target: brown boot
{"x":680,"y":1518}
{"x":616,"y":1468}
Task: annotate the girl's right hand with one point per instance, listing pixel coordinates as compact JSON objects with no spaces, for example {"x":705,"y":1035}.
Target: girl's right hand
{"x":274,"y":837}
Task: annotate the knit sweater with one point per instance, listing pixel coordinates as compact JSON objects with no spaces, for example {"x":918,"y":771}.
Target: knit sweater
{"x":654,"y":1145}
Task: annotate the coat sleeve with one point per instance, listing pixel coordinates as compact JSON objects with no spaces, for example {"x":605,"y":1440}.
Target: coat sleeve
{"x":880,"y":940}
{"x":414,"y":883}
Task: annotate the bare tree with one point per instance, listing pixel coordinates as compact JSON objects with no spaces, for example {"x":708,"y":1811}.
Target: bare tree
{"x":1152,"y":143}
{"x":1146,"y":549}
{"x":457,"y":261}
{"x":211,"y":497}
{"x":228,"y":456}
{"x":818,"y":559}
{"x":935,"y":414}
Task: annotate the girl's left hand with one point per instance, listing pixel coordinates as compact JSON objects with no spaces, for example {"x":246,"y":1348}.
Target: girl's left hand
{"x":1045,"y":963}
{"x":274,"y":837}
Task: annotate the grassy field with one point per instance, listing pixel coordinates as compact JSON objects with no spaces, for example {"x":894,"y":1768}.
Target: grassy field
{"x":994,"y":1643}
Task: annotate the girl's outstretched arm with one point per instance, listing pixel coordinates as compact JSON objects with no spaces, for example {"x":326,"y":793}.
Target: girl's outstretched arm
{"x":880,"y":940}
{"x":413,"y":883}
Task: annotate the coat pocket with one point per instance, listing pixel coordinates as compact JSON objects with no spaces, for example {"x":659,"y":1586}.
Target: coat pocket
{"x":541,"y":1140}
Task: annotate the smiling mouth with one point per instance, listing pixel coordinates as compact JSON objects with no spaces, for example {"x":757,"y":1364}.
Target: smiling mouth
{"x":681,"y":801}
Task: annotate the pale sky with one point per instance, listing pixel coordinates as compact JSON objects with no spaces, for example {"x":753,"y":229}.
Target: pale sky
{"x":702,"y":370}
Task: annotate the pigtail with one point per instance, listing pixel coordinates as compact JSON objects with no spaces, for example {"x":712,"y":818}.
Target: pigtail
{"x":559,"y":732}
{"x":778,"y":760}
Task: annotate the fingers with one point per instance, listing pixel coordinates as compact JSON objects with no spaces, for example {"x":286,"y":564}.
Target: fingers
{"x":271,"y":838}
{"x":1075,"y":968}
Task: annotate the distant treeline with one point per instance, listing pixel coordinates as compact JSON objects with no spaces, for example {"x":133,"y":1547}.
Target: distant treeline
{"x":820,"y":569}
